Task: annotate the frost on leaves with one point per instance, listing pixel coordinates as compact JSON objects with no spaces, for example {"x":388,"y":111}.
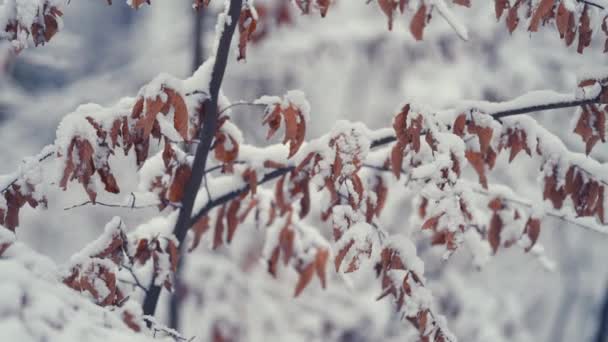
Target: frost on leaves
{"x":571,"y":20}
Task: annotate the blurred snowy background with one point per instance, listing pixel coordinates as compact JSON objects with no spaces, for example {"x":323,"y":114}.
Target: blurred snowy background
{"x":352,"y":68}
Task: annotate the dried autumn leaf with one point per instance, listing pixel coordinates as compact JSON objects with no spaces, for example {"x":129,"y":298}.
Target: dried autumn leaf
{"x":305,"y":277}
{"x":199,"y":229}
{"x":513,"y":17}
{"x":250,"y":176}
{"x":218,"y":237}
{"x":591,"y":126}
{"x":180,"y":116}
{"x":320,"y":265}
{"x":388,"y":7}
{"x":494,"y":230}
{"x":342,"y":253}
{"x":181,"y":178}
{"x":323,"y":6}
{"x":459,"y":125}
{"x":542,"y":10}
{"x":232,"y":220}
{"x":477,"y":162}
{"x":584,"y":30}
{"x":533,"y":231}
{"x":295,"y":128}
{"x":247,"y":25}
{"x":418,"y":22}
{"x":500,"y":6}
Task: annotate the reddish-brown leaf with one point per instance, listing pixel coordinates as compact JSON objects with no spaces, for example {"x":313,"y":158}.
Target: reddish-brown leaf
{"x":199,"y":229}
{"x":180,"y":116}
{"x":218,"y":237}
{"x":247,"y":25}
{"x":584,"y":30}
{"x":477,"y":162}
{"x":342,"y":253}
{"x":320,"y":265}
{"x":513,"y":17}
{"x":533,"y":231}
{"x":305,"y":277}
{"x":500,"y":6}
{"x":543,"y":9}
{"x":231,"y":218}
{"x":494,"y":230}
{"x":388,"y":7}
{"x":418,"y":22}
{"x":177,"y":187}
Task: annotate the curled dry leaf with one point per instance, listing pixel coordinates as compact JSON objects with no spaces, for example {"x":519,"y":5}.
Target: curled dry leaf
{"x":178,"y":184}
{"x":543,"y":10}
{"x":533,"y":231}
{"x":419,"y":21}
{"x":591,"y":125}
{"x":199,"y":228}
{"x":247,"y":25}
{"x":295,"y":124}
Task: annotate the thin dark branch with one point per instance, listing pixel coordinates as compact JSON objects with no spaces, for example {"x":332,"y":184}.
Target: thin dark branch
{"x":112,"y":205}
{"x":236,"y":193}
{"x":590,"y":3}
{"x":200,"y":158}
{"x":241,"y":103}
{"x":519,"y":202}
{"x":41,"y":159}
{"x":538,"y":108}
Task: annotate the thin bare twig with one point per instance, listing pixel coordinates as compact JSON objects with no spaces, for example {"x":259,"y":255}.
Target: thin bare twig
{"x":240,"y":103}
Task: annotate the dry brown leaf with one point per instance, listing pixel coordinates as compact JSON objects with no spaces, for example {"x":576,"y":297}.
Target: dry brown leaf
{"x":419,"y":22}
{"x":305,"y":277}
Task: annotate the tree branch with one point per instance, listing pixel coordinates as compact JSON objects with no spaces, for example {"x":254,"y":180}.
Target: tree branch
{"x":547,"y":106}
{"x":206,"y":136}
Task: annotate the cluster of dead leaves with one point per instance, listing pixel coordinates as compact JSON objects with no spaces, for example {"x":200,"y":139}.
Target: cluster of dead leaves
{"x":294,"y":121}
{"x":145,"y":112}
{"x":157,"y":248}
{"x":424,"y":320}
{"x":16,"y":197}
{"x":586,"y":194}
{"x":86,"y":277}
{"x":284,"y":250}
{"x":496,"y":225}
{"x":591,"y":124}
{"x":227,"y":219}
{"x":421,"y":17}
{"x":407,"y":131}
{"x":442,"y":234}
{"x":247,"y":25}
{"x":171,"y":184}
{"x":486,"y":156}
{"x":81,"y":164}
{"x":42,"y":29}
{"x":549,"y":11}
